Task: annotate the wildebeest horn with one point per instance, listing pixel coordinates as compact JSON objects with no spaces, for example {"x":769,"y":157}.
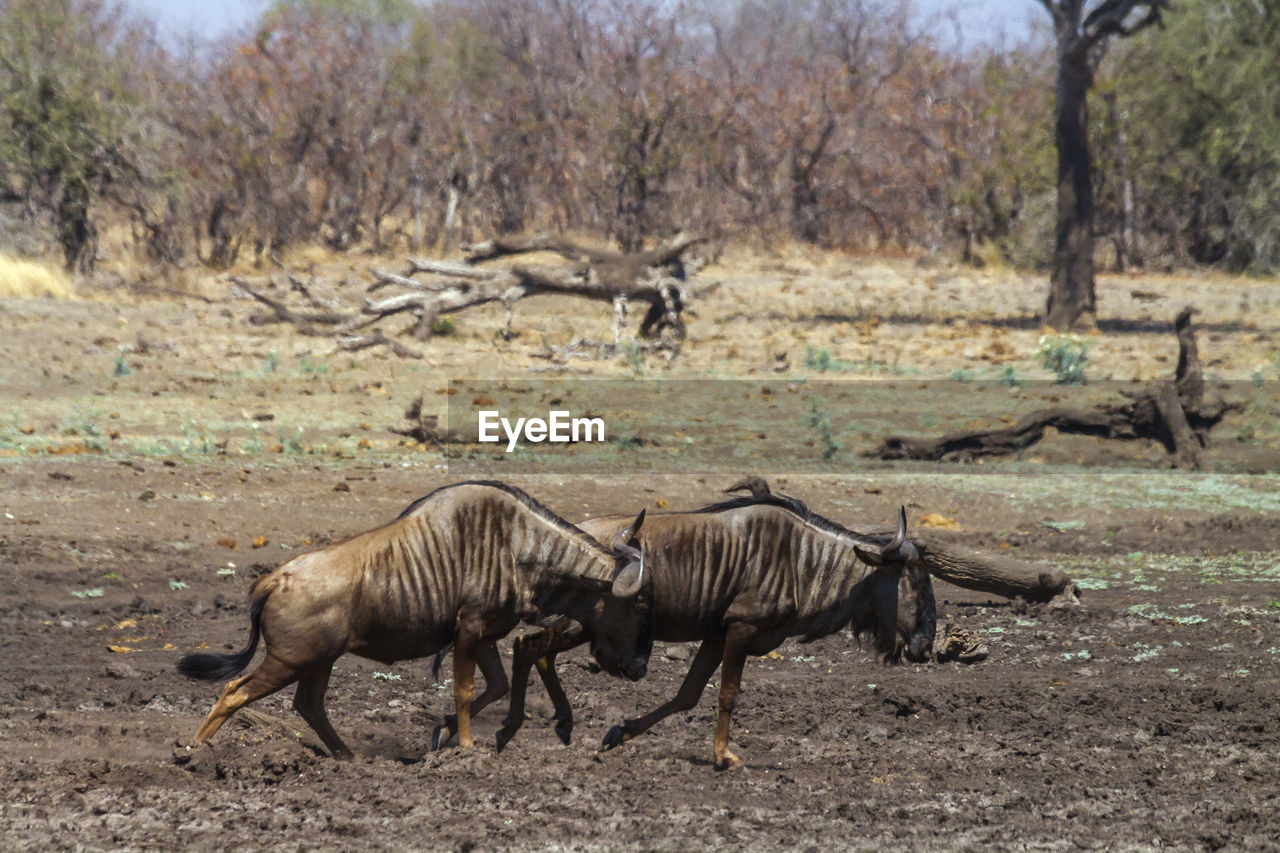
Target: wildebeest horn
{"x":895,"y":544}
{"x":898,"y":548}
{"x":630,"y":578}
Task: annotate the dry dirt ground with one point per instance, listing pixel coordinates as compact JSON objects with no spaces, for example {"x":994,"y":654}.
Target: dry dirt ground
{"x":140,"y":436}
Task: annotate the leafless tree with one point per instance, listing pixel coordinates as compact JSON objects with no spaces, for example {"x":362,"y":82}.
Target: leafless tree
{"x":1082,"y":29}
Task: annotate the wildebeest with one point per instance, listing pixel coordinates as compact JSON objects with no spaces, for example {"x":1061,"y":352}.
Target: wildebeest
{"x":463,"y":565}
{"x":742,"y":576}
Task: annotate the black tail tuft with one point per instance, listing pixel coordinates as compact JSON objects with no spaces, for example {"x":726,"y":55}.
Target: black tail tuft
{"x":439,"y":662}
{"x":213,"y":667}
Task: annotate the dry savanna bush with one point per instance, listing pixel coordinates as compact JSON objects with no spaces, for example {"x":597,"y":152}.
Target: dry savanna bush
{"x":839,"y":123}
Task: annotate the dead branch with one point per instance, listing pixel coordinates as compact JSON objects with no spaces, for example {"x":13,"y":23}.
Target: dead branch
{"x":305,"y":323}
{"x":1174,"y":413}
{"x":355,"y":343}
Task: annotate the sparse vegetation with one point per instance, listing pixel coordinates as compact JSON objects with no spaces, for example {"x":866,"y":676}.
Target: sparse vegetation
{"x":313,"y":369}
{"x":820,"y":420}
{"x":1065,"y":356}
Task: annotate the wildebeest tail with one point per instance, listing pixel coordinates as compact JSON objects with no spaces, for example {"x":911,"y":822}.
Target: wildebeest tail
{"x":214,"y":667}
{"x":439,"y":662}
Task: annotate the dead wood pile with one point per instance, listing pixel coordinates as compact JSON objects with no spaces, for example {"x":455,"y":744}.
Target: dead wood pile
{"x":428,"y":289}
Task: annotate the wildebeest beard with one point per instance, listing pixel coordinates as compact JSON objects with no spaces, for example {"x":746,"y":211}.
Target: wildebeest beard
{"x":875,"y":620}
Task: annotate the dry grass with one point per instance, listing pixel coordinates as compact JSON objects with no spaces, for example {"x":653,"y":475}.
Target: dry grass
{"x":28,"y":279}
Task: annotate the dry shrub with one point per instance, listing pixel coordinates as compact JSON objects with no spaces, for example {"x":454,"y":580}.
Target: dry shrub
{"x":27,"y":279}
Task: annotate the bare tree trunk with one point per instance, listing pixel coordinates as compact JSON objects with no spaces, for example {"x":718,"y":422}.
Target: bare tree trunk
{"x":1071,"y":302}
{"x":1082,"y":39}
{"x":419,"y":231}
{"x":450,"y":220}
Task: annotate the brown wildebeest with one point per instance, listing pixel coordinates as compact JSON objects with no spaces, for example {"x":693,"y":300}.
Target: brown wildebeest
{"x":463,"y":565}
{"x":742,"y":576}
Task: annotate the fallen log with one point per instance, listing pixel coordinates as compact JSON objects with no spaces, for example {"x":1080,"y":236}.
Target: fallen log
{"x":992,"y":573}
{"x":1176,"y":414}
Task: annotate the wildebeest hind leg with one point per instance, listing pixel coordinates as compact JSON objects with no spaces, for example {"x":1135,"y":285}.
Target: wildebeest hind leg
{"x":695,"y":681}
{"x":272,"y":675}
{"x":309,"y":702}
{"x":495,"y":687}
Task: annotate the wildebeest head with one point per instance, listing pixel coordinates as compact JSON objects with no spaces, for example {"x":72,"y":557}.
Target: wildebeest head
{"x":902,"y":611}
{"x":618,"y":613}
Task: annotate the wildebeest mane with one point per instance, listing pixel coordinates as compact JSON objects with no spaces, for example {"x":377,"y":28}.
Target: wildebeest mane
{"x":536,"y":507}
{"x":795,"y":506}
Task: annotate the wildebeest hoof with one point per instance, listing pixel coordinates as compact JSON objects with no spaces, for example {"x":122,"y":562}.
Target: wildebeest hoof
{"x":182,"y":752}
{"x":565,"y":733}
{"x":728,"y":762}
{"x":614,"y":737}
{"x":443,"y":733}
{"x":502,"y":739}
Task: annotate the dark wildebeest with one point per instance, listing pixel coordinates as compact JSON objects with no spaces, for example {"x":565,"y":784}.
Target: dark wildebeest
{"x":742,"y":576}
{"x":463,"y":565}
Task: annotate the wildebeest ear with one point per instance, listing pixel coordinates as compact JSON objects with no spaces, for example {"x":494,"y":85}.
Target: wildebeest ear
{"x":622,"y":542}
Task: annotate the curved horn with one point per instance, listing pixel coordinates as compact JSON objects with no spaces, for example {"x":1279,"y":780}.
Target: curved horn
{"x":630,"y":579}
{"x":895,"y":544}
{"x":622,"y":542}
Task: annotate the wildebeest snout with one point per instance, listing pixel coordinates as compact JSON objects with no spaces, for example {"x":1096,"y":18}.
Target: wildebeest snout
{"x":920,"y":649}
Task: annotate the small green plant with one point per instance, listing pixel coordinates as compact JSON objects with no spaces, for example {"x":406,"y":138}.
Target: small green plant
{"x":87,"y":593}
{"x":444,"y":327}
{"x":627,"y":442}
{"x":634,"y":354}
{"x":84,"y":423}
{"x":178,"y":585}
{"x":386,"y":676}
{"x":1065,"y":356}
{"x":196,"y":441}
{"x":313,"y":369}
{"x":270,"y":363}
{"x":820,"y":419}
{"x":962,"y":374}
{"x":291,"y":442}
{"x":818,"y":359}
{"x":1008,"y":376}
{"x":122,"y":367}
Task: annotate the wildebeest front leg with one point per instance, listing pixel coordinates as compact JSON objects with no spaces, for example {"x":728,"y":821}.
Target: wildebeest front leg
{"x":464,"y":682}
{"x":695,"y":681}
{"x":495,"y":687}
{"x":736,"y":644}
{"x":539,"y":650}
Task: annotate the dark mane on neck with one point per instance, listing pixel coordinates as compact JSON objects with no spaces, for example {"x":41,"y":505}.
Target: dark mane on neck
{"x":795,"y":506}
{"x":527,"y":500}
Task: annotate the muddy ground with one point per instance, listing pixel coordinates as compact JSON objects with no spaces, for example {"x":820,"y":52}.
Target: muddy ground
{"x":1143,"y":718}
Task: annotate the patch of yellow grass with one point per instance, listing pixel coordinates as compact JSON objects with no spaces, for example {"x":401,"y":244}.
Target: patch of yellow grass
{"x":27,"y":279}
